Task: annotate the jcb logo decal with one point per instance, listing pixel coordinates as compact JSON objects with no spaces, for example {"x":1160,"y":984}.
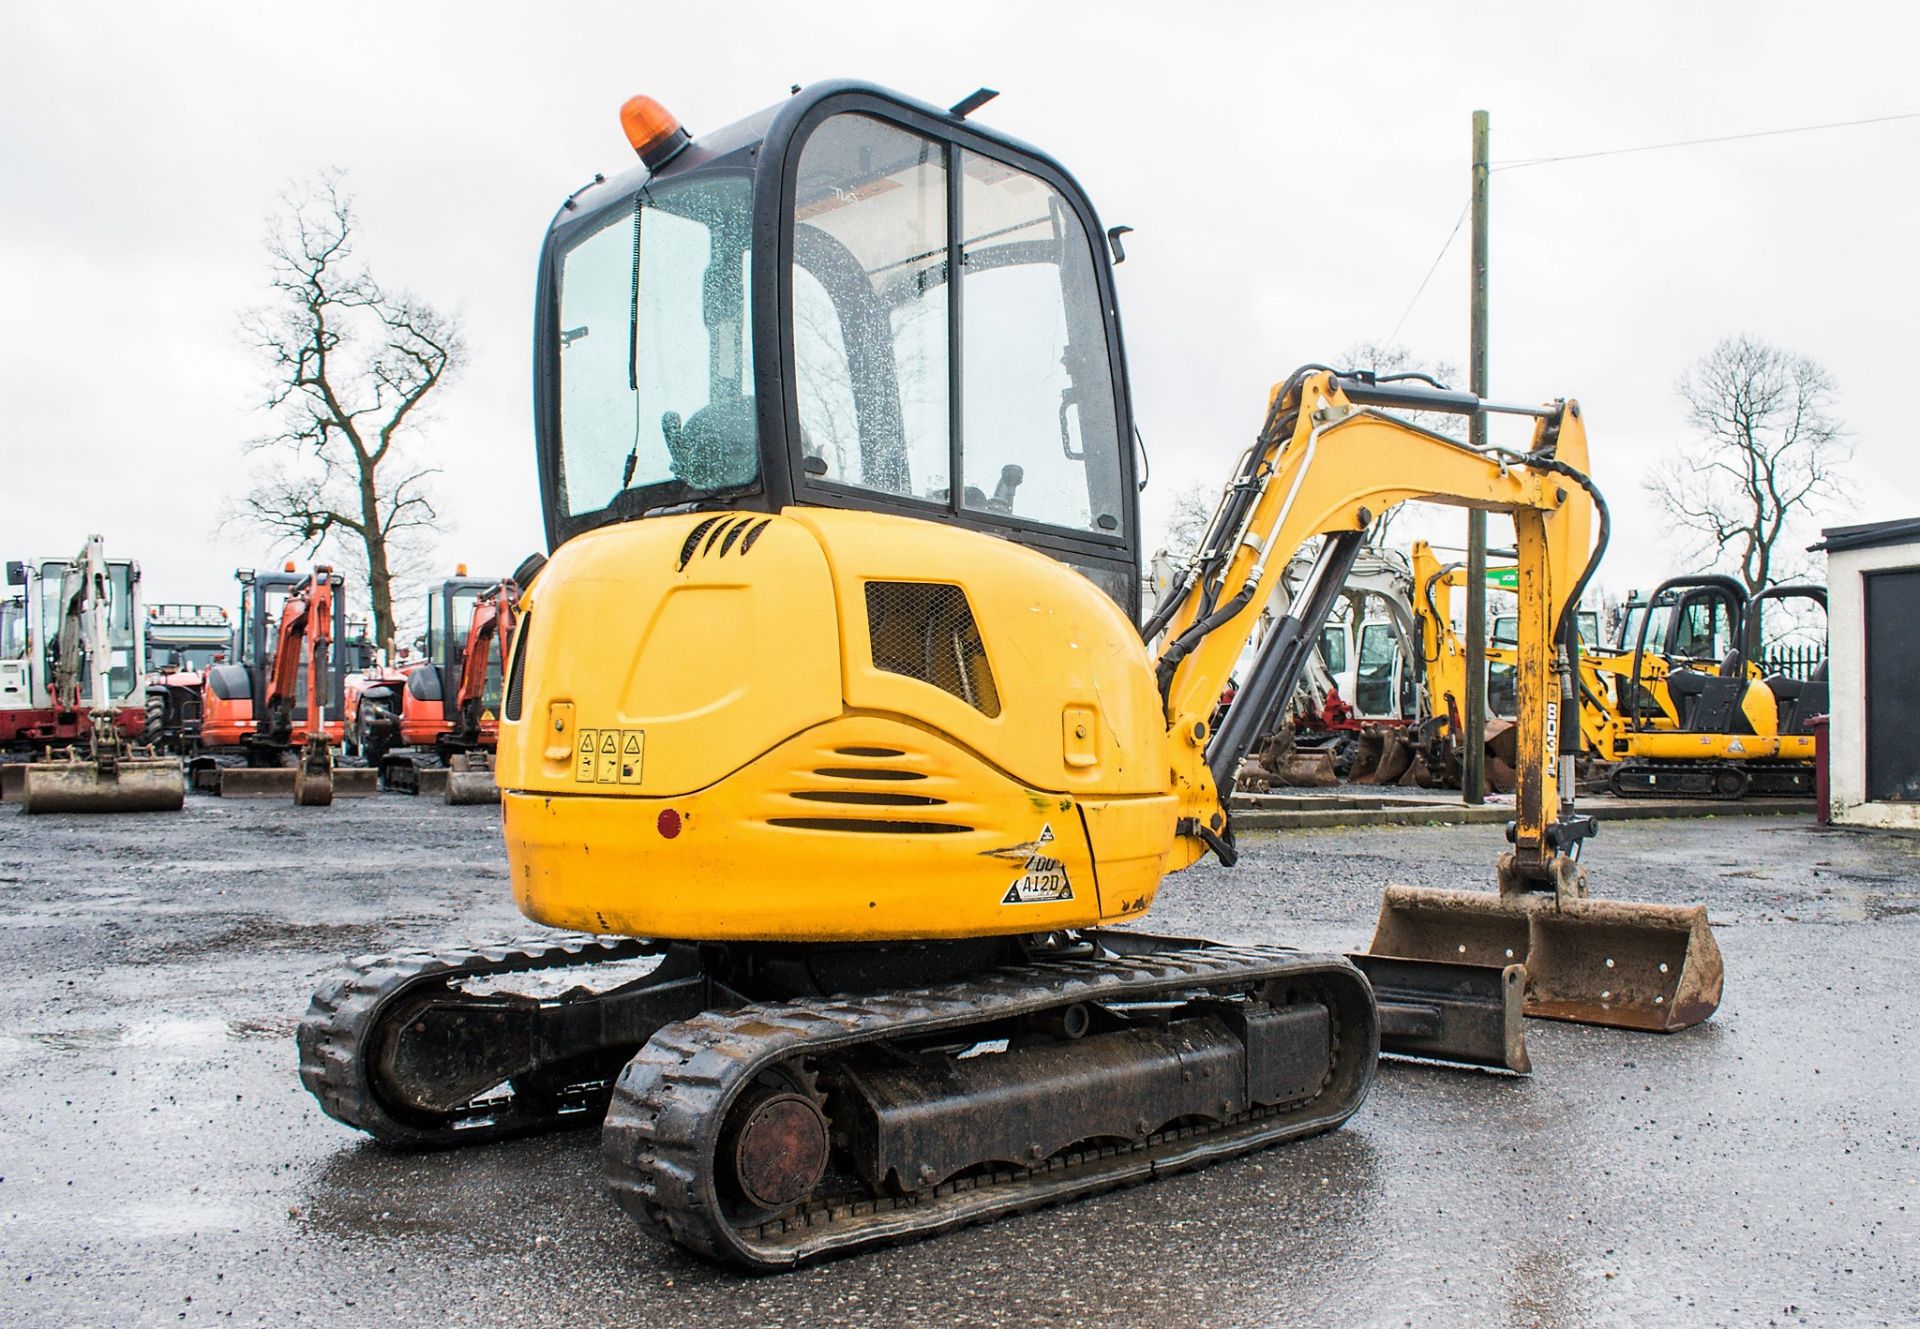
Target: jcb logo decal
{"x":609,"y":756}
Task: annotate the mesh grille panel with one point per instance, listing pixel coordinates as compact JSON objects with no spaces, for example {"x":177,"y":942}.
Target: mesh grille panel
{"x":925,"y":630}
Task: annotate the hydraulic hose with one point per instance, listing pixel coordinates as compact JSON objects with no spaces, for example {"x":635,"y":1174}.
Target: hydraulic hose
{"x":1222,"y":538}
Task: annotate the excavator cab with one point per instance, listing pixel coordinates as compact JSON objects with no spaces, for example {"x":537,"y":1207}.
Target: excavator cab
{"x":1701,"y":647}
{"x":263,"y":599}
{"x":450,"y":609}
{"x":851,"y":300}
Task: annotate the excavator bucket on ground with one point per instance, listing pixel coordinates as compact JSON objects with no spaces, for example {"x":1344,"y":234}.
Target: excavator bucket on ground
{"x":313,"y":780}
{"x":470,"y":780}
{"x":1381,"y":756}
{"x":79,"y":783}
{"x":1624,"y":964}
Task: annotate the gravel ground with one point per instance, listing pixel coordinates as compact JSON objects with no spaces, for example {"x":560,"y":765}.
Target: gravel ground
{"x":160,"y":1164}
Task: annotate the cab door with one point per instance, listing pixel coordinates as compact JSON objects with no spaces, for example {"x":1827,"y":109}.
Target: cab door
{"x":954,"y":342}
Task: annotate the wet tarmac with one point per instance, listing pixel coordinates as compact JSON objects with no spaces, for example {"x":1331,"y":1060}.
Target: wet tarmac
{"x":160,"y":1164}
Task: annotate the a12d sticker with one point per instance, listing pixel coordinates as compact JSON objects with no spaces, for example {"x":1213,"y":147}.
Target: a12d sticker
{"x":1044,"y":879}
{"x":609,"y":756}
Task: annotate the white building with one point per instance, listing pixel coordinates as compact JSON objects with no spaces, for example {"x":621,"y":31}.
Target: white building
{"x":1873,"y":625}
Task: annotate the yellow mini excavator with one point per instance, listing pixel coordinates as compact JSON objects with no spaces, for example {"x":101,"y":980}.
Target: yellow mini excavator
{"x":830,"y":737}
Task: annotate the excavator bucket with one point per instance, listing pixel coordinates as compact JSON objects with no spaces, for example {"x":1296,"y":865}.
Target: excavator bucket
{"x":470,"y":780}
{"x":79,"y":784}
{"x":1624,"y":964}
{"x":1383,"y":756}
{"x":313,"y":780}
{"x":1308,"y":770}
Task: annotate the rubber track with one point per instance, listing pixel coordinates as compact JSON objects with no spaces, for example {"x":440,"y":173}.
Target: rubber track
{"x":344,"y":1022}
{"x":663,"y":1124}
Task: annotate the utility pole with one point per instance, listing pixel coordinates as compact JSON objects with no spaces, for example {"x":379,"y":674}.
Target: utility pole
{"x":1473,"y":776}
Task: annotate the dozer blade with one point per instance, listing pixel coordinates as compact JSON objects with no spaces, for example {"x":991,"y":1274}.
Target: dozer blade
{"x":1467,"y":1014}
{"x":1619,"y":963}
{"x":146,"y":784}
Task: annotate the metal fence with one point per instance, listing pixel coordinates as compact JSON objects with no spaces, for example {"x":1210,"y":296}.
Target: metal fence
{"x":1794,"y":661}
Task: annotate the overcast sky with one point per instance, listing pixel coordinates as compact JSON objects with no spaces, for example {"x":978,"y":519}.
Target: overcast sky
{"x":1290,"y":173}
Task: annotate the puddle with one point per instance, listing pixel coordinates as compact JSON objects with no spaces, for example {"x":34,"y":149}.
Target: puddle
{"x":175,"y":1219}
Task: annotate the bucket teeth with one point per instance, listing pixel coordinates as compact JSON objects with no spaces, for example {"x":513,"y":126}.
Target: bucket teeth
{"x":1624,"y":964}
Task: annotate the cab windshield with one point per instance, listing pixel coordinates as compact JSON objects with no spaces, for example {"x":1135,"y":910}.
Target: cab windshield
{"x":656,"y":403}
{"x":122,"y":667}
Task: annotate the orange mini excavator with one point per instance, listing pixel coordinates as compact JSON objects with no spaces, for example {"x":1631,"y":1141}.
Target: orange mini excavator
{"x":444,"y":709}
{"x":271,"y":707}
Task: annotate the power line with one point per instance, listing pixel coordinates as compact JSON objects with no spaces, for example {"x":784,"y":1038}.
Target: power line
{"x":1457,"y":221}
{"x":1520,"y":162}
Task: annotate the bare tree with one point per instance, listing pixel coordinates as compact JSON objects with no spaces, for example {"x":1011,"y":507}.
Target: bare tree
{"x":1187,"y":522}
{"x":1768,"y":451}
{"x":350,"y":364}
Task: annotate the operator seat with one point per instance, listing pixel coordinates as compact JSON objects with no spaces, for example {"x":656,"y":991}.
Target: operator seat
{"x":1685,"y":686}
{"x":719,"y":445}
{"x":1717,"y":709}
{"x":1799,"y":700}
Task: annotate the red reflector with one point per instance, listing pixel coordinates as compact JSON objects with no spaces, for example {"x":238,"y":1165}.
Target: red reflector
{"x":669,"y":823}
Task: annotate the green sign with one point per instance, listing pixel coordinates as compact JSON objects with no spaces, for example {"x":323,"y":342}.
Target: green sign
{"x":1504,"y":579}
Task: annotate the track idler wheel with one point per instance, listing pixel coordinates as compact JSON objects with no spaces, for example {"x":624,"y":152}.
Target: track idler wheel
{"x":776,"y":1148}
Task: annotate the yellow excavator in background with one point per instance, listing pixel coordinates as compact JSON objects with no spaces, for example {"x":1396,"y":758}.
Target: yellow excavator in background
{"x":1698,"y":706}
{"x":830,"y":721}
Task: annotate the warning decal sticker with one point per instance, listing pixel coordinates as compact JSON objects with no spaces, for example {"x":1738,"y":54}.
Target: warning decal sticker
{"x":609,"y":756}
{"x":1044,"y":880}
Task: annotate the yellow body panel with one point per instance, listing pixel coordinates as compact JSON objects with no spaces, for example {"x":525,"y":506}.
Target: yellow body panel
{"x":827,"y":725}
{"x":733,"y":699}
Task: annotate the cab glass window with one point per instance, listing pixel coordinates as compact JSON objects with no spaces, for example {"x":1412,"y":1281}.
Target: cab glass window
{"x":1701,"y":629}
{"x":1373,"y":686}
{"x":655,"y":372}
{"x":875,"y":315}
{"x":1040,"y":438}
{"x":870,"y":308}
{"x":1333,"y":649}
{"x":13,"y":630}
{"x":122,"y":668}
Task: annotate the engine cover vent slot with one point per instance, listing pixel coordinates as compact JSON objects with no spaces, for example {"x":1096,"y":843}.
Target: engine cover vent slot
{"x":926,"y":631}
{"x":867,"y":826}
{"x":692,"y":541}
{"x":868,"y":773}
{"x":868,"y":752}
{"x":870,"y":797}
{"x":716,"y":536}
